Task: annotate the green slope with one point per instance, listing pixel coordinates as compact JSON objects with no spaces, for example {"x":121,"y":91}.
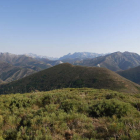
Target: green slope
{"x":67,"y":75}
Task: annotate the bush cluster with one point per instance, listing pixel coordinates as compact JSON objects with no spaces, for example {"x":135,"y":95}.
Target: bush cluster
{"x":71,"y":114}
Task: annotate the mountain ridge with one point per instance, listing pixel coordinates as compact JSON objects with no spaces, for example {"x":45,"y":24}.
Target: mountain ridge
{"x":67,"y":75}
{"x":115,"y":61}
{"x":8,"y":72}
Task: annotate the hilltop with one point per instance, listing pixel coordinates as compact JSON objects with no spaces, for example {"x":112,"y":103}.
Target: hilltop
{"x":67,"y":75}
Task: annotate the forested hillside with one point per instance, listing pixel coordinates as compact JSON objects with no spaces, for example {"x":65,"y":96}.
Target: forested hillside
{"x":67,"y":75}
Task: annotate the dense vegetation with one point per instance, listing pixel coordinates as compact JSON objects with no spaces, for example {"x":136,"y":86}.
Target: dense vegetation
{"x":67,"y":75}
{"x":76,"y":114}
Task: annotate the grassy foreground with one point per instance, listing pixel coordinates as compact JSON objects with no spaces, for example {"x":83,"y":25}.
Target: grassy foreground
{"x":76,"y":114}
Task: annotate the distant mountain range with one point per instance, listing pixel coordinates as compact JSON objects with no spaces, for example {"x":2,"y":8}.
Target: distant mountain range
{"x":67,"y":75}
{"x":10,"y":73}
{"x":23,"y":61}
{"x":41,"y":56}
{"x":114,"y":61}
{"x":76,"y":55}
{"x":14,"y":67}
{"x":80,"y":55}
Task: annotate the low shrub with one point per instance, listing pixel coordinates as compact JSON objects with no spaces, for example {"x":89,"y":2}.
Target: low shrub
{"x":109,"y":108}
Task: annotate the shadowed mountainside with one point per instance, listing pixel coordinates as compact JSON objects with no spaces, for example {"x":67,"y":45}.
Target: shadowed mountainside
{"x":67,"y":75}
{"x":131,"y":74}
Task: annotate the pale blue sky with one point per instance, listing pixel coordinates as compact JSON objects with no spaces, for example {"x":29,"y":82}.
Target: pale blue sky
{"x":57,"y":27}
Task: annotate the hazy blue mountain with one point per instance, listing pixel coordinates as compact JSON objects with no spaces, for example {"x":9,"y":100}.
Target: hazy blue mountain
{"x":70,"y":58}
{"x":41,"y":56}
{"x":80,"y":55}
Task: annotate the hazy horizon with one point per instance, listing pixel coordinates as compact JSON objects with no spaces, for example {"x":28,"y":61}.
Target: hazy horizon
{"x":56,"y":28}
{"x":66,"y":53}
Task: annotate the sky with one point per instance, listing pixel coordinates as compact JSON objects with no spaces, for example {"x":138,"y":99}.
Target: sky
{"x":58,"y":27}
